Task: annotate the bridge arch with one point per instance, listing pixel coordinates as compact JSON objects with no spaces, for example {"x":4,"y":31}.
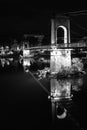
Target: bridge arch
{"x":61,"y":34}
{"x":60,"y":23}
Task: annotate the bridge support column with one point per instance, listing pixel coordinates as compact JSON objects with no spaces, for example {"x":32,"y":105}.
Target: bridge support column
{"x":26,"y":51}
{"x":60,"y":57}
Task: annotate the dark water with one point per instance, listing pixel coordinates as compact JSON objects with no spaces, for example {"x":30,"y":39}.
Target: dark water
{"x":25,"y":104}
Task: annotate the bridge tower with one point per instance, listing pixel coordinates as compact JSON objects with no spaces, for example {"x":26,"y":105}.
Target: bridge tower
{"x":26,"y":51}
{"x":60,"y":35}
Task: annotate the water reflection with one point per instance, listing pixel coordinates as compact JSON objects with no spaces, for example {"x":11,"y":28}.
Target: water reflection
{"x":58,"y":110}
{"x":6,"y":61}
{"x":61,"y":95}
{"x":26,"y":64}
{"x":61,"y":90}
{"x":62,"y":114}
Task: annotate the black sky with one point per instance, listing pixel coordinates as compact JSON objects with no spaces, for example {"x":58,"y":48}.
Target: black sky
{"x":34,"y":17}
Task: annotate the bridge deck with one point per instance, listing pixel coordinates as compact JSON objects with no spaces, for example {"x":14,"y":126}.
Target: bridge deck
{"x":60,"y":46}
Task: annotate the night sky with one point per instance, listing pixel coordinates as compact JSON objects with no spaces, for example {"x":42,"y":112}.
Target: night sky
{"x":19,"y":17}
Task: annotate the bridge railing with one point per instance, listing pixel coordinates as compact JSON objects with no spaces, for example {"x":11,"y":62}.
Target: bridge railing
{"x":79,"y":44}
{"x":60,"y":46}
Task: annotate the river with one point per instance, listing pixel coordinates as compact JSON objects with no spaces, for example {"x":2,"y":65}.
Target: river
{"x":26,"y":102}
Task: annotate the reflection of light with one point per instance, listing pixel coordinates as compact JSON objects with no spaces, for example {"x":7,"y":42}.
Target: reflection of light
{"x":60,"y":89}
{"x":26,"y":62}
{"x":10,"y":59}
{"x":10,"y":52}
{"x":43,"y":73}
{"x":8,"y":63}
{"x":2,"y":62}
{"x":80,"y":82}
{"x":58,"y":110}
{"x":26,"y":69}
{"x":76,"y":84}
{"x":61,"y":113}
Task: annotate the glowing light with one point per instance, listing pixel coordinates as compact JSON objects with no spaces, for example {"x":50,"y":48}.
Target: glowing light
{"x":26,"y":53}
{"x":63,"y":115}
{"x":26,"y":62}
{"x":26,"y":69}
{"x":2,"y":62}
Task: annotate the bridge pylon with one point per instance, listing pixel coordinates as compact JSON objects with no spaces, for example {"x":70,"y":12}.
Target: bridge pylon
{"x":60,"y":34}
{"x":26,"y":50}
